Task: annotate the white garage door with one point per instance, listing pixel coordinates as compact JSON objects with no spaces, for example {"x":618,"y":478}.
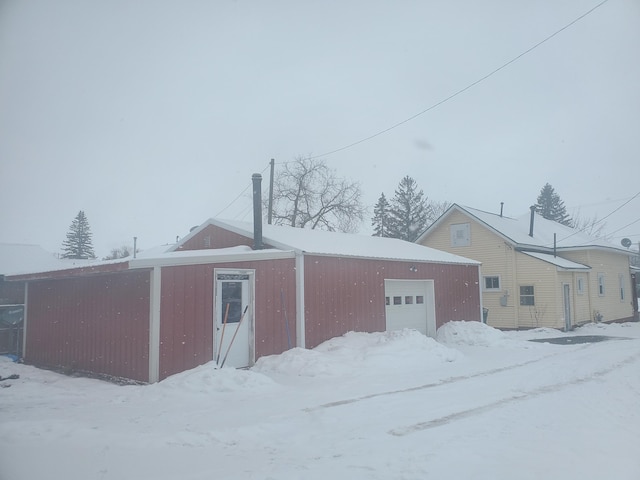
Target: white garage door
{"x":410,"y":304}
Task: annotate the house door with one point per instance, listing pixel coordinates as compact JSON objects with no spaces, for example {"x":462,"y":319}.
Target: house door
{"x":567,"y":307}
{"x":233,"y":326}
{"x":410,"y":304}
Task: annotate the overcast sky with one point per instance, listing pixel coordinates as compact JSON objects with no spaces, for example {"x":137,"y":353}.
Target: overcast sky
{"x":151,"y":116}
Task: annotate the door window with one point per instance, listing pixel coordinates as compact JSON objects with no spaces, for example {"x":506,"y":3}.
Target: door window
{"x":231,"y":301}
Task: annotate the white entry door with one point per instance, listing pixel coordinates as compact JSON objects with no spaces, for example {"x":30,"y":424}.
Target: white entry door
{"x":410,"y":304}
{"x":233,"y":326}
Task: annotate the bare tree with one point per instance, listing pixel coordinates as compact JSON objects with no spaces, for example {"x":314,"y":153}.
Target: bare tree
{"x":589,"y":225}
{"x":308,"y":194}
{"x":436,"y":209}
{"x":121,"y":252}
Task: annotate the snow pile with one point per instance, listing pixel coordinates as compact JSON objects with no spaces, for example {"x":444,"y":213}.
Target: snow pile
{"x":208,"y":378}
{"x":355,"y":351}
{"x":471,"y":333}
{"x":401,"y":412}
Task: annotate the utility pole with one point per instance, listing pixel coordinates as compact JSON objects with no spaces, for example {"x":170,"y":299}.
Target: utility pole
{"x":270,"y":211}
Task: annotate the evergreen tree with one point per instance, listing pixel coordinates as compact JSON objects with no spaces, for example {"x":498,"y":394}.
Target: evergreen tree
{"x":551,"y":207}
{"x":409,"y":211}
{"x":381,"y":221}
{"x":78,"y":243}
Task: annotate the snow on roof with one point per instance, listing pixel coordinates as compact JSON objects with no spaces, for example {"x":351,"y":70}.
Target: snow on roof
{"x":517,"y":231}
{"x":558,"y":261}
{"x":31,"y":259}
{"x":321,"y":242}
{"x":16,"y":258}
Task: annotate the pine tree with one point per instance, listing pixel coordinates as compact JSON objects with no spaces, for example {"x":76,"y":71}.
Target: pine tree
{"x":381,"y":221}
{"x":551,"y":207}
{"x":78,"y":243}
{"x":409,"y":211}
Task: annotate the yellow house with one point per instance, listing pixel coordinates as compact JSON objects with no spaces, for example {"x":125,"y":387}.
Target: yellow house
{"x":537,"y":272}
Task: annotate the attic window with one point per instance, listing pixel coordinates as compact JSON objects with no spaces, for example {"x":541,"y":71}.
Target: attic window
{"x":460,"y":235}
{"x":207,"y":241}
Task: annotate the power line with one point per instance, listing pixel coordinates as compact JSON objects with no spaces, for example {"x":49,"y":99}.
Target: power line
{"x":240,"y":194}
{"x":603,"y":219}
{"x":437,"y":104}
{"x":471,"y":85}
{"x":627,"y":225}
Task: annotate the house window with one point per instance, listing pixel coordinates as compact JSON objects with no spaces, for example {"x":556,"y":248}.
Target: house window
{"x":580,"y":285}
{"x":492,"y":283}
{"x":207,"y":241}
{"x":526,"y":295}
{"x":460,"y":235}
{"x":621,"y":282}
{"x":601,"y":284}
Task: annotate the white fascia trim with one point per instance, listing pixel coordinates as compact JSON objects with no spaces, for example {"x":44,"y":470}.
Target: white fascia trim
{"x":300,"y":320}
{"x":480,"y":282}
{"x":463,"y":260}
{"x":154,"y":324}
{"x":178,"y":260}
{"x":24,"y":321}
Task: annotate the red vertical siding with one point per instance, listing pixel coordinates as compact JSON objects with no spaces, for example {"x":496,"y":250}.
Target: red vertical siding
{"x":187,"y":311}
{"x":97,"y":324}
{"x":346,"y":294}
{"x":217,"y":238}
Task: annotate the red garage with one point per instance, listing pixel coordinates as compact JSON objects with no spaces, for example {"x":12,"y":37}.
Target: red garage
{"x":229,"y":289}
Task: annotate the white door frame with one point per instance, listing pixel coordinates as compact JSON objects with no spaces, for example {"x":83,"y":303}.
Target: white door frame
{"x":429,"y":301}
{"x":244,"y":344}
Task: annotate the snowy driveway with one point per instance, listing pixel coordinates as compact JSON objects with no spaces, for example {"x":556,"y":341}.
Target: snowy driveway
{"x":478,"y":405}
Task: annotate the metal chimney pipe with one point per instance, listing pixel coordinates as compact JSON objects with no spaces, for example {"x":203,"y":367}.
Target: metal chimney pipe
{"x":257,"y":211}
{"x":533,"y":213}
{"x":501,"y":207}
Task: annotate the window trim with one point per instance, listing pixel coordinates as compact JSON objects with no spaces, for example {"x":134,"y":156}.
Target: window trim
{"x":492,"y":289}
{"x":465,"y":239}
{"x":601,"y":286}
{"x":532,"y":296}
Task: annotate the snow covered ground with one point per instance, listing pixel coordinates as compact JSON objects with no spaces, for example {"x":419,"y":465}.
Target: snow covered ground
{"x":477,"y":404}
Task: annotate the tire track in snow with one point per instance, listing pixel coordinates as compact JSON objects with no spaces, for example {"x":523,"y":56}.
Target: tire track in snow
{"x":439,"y":383}
{"x":536,"y":392}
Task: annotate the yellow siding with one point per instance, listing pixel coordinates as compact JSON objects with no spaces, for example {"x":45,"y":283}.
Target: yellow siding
{"x":612,"y":265}
{"x":497,"y":258}
{"x":516,"y":269}
{"x":548,"y":308}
